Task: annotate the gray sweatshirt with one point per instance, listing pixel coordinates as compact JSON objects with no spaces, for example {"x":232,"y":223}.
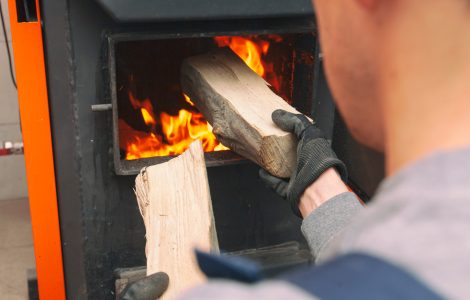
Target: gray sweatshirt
{"x":419,"y":220}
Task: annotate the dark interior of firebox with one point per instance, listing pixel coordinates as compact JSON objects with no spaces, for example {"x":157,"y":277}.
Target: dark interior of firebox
{"x":148,"y":72}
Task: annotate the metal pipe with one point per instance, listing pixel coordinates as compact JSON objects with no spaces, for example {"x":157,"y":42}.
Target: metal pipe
{"x":102,"y":107}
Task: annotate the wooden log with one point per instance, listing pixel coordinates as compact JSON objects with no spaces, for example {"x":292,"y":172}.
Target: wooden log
{"x":238,"y":104}
{"x":175,"y":203}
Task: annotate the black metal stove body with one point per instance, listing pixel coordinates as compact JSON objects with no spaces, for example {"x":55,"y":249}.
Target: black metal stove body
{"x":101,"y":227}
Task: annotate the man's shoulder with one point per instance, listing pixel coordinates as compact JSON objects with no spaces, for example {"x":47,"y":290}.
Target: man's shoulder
{"x":419,"y":220}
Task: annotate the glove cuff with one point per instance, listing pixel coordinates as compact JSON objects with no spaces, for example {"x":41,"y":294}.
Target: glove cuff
{"x":314,"y":160}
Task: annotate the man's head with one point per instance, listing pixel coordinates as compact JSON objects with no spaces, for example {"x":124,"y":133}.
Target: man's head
{"x":349,"y":46}
{"x":384,"y":58}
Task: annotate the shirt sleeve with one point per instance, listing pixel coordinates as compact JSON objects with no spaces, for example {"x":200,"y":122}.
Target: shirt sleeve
{"x":325,"y":222}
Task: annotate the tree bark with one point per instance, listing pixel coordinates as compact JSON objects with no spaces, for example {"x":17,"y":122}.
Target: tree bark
{"x":238,"y":104}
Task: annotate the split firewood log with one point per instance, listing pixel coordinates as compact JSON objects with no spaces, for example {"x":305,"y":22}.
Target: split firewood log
{"x":238,"y":104}
{"x":175,"y":203}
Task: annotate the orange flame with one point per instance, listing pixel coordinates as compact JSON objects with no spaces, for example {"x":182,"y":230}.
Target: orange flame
{"x":188,"y":100}
{"x":247,"y":50}
{"x":148,"y":119}
{"x":178,"y":132}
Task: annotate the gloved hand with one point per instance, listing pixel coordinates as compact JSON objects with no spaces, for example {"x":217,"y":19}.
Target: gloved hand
{"x":148,"y":288}
{"x":314,"y":156}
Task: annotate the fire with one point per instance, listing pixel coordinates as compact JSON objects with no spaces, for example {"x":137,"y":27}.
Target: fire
{"x":148,"y":119}
{"x":172,"y":135}
{"x":178,"y":132}
{"x":247,"y":50}
{"x":252,"y":50}
{"x":188,"y":100}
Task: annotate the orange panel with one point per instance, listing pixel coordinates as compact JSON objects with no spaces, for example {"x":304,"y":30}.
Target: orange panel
{"x":35,"y":122}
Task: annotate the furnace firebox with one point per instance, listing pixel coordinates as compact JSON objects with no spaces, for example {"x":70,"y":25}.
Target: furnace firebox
{"x":154,"y":121}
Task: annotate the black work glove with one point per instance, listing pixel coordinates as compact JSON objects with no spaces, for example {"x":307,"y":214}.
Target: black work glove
{"x":147,"y":288}
{"x":314,"y":156}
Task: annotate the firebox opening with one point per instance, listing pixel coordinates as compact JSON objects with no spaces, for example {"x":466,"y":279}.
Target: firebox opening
{"x":155,"y":119}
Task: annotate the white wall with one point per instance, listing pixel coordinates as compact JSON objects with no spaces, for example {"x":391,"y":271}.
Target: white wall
{"x":12,"y":169}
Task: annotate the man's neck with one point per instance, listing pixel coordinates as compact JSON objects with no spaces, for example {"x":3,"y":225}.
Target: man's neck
{"x":426,"y":112}
{"x":421,"y":125}
{"x":425,"y":83}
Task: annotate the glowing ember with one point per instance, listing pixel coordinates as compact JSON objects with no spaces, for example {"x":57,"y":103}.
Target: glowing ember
{"x":171,"y":135}
{"x":188,"y":100}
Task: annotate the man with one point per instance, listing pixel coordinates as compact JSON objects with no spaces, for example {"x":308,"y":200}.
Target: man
{"x":400,"y":75}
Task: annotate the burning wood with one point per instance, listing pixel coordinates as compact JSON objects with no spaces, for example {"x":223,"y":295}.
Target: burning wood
{"x":247,"y":50}
{"x":238,"y":103}
{"x":169,"y":134}
{"x":177,"y":132}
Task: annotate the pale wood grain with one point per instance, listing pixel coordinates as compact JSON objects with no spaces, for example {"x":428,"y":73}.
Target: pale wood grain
{"x":175,"y":203}
{"x":238,"y":104}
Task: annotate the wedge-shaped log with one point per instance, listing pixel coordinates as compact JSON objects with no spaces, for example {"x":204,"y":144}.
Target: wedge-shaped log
{"x":238,"y":104}
{"x":175,"y":203}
